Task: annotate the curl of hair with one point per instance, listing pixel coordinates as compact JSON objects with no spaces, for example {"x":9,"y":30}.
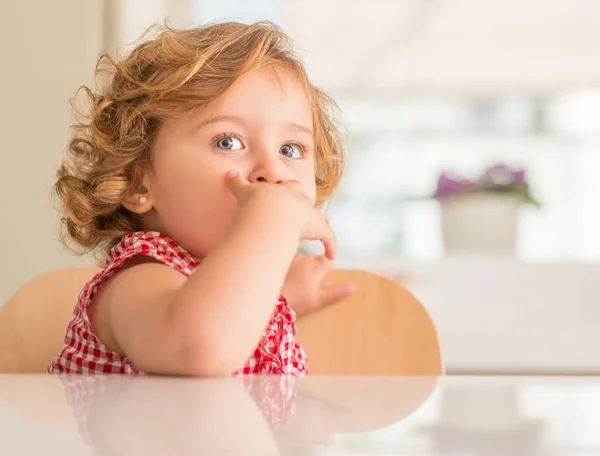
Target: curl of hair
{"x":176,"y":71}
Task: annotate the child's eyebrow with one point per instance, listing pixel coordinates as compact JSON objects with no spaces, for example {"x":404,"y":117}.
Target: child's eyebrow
{"x":215,"y":119}
{"x":292,"y":126}
{"x":300,"y":128}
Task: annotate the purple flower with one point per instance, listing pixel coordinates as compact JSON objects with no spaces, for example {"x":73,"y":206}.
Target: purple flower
{"x":497,"y":178}
{"x":448,"y":186}
{"x":503,"y":176}
{"x":520,"y":177}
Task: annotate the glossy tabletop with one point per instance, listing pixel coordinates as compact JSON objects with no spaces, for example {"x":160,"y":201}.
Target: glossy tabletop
{"x":112,"y":415}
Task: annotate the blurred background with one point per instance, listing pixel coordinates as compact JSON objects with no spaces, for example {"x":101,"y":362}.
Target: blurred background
{"x":425,"y":87}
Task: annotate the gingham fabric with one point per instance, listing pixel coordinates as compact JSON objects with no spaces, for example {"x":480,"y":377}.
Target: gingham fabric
{"x":83,"y":353}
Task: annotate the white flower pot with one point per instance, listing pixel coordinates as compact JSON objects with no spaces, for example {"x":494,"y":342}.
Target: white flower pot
{"x":485,"y":222}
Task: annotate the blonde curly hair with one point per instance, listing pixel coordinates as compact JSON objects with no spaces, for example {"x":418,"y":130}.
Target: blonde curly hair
{"x":177,"y":71}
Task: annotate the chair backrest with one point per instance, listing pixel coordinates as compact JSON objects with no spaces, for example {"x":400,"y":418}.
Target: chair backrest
{"x":380,"y":330}
{"x":34,"y":321}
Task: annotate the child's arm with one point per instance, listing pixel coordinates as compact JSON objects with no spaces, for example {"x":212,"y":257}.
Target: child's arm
{"x":210,"y":323}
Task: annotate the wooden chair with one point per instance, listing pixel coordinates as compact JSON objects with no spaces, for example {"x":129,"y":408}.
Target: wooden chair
{"x":380,"y":330}
{"x":34,"y":321}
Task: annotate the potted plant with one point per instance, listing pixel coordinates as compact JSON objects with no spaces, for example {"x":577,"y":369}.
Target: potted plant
{"x":481,"y":215}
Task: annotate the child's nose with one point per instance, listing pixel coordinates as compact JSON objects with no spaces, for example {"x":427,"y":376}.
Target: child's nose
{"x":268,"y":171}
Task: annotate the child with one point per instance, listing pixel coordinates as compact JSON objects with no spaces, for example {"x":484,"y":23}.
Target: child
{"x":200,"y":168}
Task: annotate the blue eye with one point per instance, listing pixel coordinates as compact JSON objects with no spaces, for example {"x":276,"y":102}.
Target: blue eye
{"x":228,"y":143}
{"x":291,"y":151}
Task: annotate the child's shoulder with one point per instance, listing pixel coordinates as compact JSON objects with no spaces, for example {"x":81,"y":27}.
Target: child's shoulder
{"x":140,"y":263}
{"x":151,"y":245}
{"x":142,"y":268}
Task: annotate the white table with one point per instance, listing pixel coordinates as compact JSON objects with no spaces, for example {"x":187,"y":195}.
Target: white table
{"x":501,"y":315}
{"x":516,"y":416}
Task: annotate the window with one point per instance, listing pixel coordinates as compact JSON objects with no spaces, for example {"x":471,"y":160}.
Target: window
{"x":402,"y":136}
{"x":399,"y":158}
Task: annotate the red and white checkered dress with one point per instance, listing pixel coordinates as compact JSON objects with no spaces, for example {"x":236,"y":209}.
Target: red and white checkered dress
{"x":83,"y":353}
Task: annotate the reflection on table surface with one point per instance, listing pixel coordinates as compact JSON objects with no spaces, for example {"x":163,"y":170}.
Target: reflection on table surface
{"x":115,"y":415}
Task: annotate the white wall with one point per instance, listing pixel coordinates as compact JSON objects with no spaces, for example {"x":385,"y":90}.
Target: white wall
{"x":131,"y":18}
{"x":48,"y":49}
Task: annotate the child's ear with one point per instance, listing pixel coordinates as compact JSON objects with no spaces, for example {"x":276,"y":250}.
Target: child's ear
{"x":139,"y":202}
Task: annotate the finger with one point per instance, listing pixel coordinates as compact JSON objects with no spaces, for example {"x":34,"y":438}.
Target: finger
{"x":324,"y":264}
{"x":234,"y":181}
{"x":324,"y":261}
{"x":335,"y":293}
{"x":330,"y":244}
{"x":299,"y":256}
{"x":329,"y":241}
{"x":293,"y":184}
